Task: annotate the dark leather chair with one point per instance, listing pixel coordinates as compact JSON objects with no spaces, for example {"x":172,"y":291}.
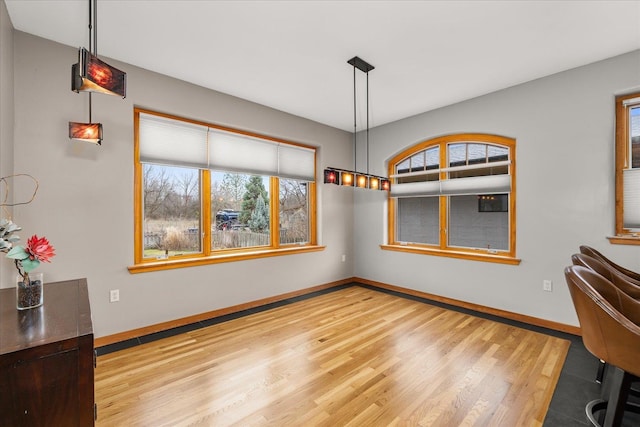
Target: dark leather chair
{"x":609,"y":333}
{"x":623,"y":282}
{"x":587,"y":250}
{"x":626,"y":284}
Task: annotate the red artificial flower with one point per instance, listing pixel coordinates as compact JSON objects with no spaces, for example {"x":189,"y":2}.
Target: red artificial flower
{"x":39,"y":248}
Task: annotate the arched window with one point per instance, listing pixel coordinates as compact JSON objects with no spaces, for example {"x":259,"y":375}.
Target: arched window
{"x":455,"y":196}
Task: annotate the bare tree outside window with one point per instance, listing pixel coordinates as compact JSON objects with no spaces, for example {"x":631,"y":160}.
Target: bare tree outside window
{"x":171,"y":200}
{"x":294,"y":211}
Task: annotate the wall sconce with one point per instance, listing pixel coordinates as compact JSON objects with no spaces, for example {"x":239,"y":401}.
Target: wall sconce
{"x":88,"y":132}
{"x":91,"y":74}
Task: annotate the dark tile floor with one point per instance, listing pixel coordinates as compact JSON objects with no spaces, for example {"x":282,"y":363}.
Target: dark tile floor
{"x":576,"y":385}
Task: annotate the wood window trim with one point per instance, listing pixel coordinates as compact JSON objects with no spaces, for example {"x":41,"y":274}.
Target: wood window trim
{"x":504,"y":257}
{"x":622,"y":236}
{"x":207,"y":256}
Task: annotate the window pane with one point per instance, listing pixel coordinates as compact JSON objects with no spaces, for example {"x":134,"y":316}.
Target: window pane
{"x":294,"y":212}
{"x":477,"y":153}
{"x":403,"y":166}
{"x":457,"y":154}
{"x":497,"y":154}
{"x":239,"y":210}
{"x":417,"y":162}
{"x":418,"y":220}
{"x":171,"y":199}
{"x":635,"y":136}
{"x":469,"y":227}
{"x":433,"y":157}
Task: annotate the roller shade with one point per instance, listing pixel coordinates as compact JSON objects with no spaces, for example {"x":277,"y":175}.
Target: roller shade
{"x":238,"y":153}
{"x":296,"y":162}
{"x":631,"y":198}
{"x":178,"y":143}
{"x":172,"y":142}
{"x":490,"y":184}
{"x":416,"y":189}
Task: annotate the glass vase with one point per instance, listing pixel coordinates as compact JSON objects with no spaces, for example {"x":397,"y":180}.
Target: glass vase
{"x":29,"y":291}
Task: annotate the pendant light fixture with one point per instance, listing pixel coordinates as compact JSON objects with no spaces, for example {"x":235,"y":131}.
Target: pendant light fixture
{"x":90,"y":74}
{"x":353,"y":178}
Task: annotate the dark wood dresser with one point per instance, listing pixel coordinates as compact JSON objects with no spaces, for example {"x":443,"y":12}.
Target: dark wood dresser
{"x":47,"y":358}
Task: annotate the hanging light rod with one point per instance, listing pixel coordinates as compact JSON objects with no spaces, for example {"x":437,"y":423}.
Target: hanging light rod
{"x":350,"y":178}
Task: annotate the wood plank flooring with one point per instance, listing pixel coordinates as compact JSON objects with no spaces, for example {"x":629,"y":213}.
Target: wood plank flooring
{"x":353,"y":357}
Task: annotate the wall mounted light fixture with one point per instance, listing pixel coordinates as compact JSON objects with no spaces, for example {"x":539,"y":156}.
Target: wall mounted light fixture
{"x":91,"y":74}
{"x":353,"y":178}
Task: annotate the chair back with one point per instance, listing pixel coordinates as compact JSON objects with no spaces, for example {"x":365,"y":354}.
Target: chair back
{"x":587,"y":250}
{"x":626,"y":284}
{"x":606,"y":331}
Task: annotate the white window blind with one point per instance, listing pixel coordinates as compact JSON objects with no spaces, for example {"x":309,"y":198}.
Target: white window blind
{"x":631,"y":198}
{"x":240,"y":153}
{"x":489,"y":184}
{"x":296,"y":162}
{"x":174,"y":142}
{"x":485,"y":184}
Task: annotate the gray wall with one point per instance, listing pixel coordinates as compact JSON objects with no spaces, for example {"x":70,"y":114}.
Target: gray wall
{"x":564,"y":130}
{"x":85,"y":202}
{"x":6,"y":120}
{"x":564,"y":127}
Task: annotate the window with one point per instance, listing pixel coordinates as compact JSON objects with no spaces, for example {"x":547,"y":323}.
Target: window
{"x":627,"y":169}
{"x":206,"y":194}
{"x":455,"y":196}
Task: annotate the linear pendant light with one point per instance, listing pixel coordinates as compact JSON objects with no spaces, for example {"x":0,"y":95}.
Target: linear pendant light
{"x":90,"y":74}
{"x":353,"y":178}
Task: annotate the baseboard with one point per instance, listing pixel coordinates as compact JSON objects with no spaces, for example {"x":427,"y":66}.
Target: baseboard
{"x":543,"y":323}
{"x":159,"y":327}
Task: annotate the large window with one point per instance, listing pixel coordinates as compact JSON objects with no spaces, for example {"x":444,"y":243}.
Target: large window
{"x":627,"y":169}
{"x":208,"y":194}
{"x":455,"y":196}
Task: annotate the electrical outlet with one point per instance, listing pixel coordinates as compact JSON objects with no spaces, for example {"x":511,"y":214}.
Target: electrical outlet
{"x":344,"y":258}
{"x":547,"y":285}
{"x":114,"y":295}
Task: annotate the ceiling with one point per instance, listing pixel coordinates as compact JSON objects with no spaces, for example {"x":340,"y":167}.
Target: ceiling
{"x":292,"y":55}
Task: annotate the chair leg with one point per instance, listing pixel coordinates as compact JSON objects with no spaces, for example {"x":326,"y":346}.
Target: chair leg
{"x":600,"y":372}
{"x":615,"y":392}
{"x":620,"y":384}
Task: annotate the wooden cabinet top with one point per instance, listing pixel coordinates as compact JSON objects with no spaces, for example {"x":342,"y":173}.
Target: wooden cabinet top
{"x":64,"y":315}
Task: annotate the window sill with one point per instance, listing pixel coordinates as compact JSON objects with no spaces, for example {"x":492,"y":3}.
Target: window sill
{"x":501,"y":259}
{"x":155,"y":265}
{"x":627,"y":239}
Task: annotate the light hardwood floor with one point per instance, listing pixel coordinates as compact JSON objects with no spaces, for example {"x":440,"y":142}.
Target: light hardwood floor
{"x":353,"y":357}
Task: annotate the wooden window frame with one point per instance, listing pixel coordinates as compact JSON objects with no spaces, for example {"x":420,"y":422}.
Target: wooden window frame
{"x":504,"y":257}
{"x":622,"y":236}
{"x":209,"y":256}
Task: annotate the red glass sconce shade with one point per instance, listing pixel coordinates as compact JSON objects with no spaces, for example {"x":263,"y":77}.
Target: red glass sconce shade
{"x":91,"y":74}
{"x":88,"y":132}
